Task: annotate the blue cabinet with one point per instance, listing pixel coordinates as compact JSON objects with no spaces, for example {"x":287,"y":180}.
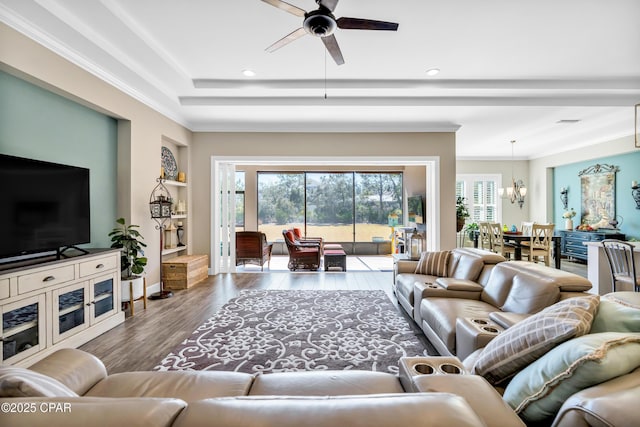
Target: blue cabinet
{"x":572,"y":241}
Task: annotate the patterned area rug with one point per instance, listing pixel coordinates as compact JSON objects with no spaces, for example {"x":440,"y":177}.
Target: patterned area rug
{"x":282,"y":330}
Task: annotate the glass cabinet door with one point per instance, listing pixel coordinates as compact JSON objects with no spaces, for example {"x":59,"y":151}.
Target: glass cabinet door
{"x":23,"y":328}
{"x":103,"y":297}
{"x":70,"y":310}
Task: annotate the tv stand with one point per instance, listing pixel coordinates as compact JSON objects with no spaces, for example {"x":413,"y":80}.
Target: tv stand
{"x":60,"y":251}
{"x":58,"y":304}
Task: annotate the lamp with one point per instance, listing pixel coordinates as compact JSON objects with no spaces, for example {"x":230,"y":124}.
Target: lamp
{"x":564,"y":198}
{"x":517,"y":191}
{"x":635,"y":192}
{"x":160,"y":207}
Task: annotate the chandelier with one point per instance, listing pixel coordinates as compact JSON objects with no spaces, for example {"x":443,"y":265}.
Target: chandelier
{"x":517,"y":191}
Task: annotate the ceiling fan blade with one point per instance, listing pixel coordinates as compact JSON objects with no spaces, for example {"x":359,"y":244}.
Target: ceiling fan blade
{"x":331,"y":44}
{"x":286,"y":7}
{"x":365,"y":24}
{"x":287,"y":39}
{"x":329,"y":4}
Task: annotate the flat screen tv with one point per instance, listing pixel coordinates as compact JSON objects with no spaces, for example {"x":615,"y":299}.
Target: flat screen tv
{"x":44,"y":208}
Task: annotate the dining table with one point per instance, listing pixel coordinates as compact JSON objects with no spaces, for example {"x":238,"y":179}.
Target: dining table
{"x":515,"y":239}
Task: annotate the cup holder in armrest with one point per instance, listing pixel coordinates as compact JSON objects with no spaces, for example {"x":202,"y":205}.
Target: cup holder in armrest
{"x":480,"y":321}
{"x":449,"y":368}
{"x":424,"y":369}
{"x":490,"y":329}
{"x":431,"y":285}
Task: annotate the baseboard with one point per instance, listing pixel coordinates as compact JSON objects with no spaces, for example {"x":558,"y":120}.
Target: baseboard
{"x":153,"y":288}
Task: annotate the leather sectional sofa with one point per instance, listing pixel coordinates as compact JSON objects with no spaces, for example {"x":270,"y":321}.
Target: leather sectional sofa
{"x":481,"y":295}
{"x":599,"y":386}
{"x":71,"y":388}
{"x":558,"y":355}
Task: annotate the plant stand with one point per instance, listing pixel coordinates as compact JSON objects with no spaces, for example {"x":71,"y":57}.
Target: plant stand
{"x":160,"y":207}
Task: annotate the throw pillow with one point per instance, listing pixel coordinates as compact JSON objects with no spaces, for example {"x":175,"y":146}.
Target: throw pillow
{"x":615,"y":315}
{"x":434,"y":263}
{"x":532,"y":337}
{"x":21,"y":382}
{"x":538,"y":391}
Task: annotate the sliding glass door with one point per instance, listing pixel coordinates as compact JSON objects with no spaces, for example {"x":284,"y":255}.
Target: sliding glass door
{"x":338,"y":206}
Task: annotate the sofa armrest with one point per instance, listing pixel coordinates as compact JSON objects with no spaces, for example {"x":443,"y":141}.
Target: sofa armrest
{"x":612,"y":403}
{"x":507,"y":319}
{"x":406,"y":266}
{"x":454,"y":288}
{"x":74,"y":368}
{"x":478,"y":393}
{"x":453,"y":284}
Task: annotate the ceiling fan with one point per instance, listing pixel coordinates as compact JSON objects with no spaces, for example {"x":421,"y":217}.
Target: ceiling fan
{"x":321,"y":23}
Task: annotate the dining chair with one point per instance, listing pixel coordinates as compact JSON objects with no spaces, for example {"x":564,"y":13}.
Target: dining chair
{"x":485,"y":236}
{"x":526,"y":227}
{"x":498,"y":245}
{"x":540,"y":243}
{"x":622,"y":264}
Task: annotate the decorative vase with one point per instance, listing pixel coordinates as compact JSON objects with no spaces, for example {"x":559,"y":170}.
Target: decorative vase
{"x":138,"y":289}
{"x":459,"y":224}
{"x":568,"y":224}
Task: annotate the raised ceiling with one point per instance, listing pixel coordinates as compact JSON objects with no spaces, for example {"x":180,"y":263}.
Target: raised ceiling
{"x":509,"y":70}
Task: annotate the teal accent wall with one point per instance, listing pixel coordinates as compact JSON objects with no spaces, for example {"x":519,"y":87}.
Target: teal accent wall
{"x":39,"y":124}
{"x":629,"y":170}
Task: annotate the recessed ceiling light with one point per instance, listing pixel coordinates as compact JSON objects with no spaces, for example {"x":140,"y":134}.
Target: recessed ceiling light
{"x":248,"y":73}
{"x":433,"y":71}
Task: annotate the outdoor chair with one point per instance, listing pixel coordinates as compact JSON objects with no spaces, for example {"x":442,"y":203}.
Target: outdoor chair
{"x":622,"y":265}
{"x":252,"y":248}
{"x":302,"y":255}
{"x":297,"y":233}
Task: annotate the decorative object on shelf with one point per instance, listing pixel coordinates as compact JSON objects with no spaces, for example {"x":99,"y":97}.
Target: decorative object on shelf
{"x":517,"y":191}
{"x":416,"y":244}
{"x":462,"y":213}
{"x":160,"y":208}
{"x":180,"y":233}
{"x":170,"y":236}
{"x":598,"y":187}
{"x":564,"y":197}
{"x":182,"y":177}
{"x":169,"y":164}
{"x":132,"y":262}
{"x":568,"y":216}
{"x":181,"y":208}
{"x":635,"y":193}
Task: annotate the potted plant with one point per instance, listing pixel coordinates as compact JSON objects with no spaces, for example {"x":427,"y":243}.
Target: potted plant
{"x":132,"y":261}
{"x":462,"y":213}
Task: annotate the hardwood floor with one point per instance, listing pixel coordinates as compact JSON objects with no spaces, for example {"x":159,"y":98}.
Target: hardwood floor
{"x":142,"y":341}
